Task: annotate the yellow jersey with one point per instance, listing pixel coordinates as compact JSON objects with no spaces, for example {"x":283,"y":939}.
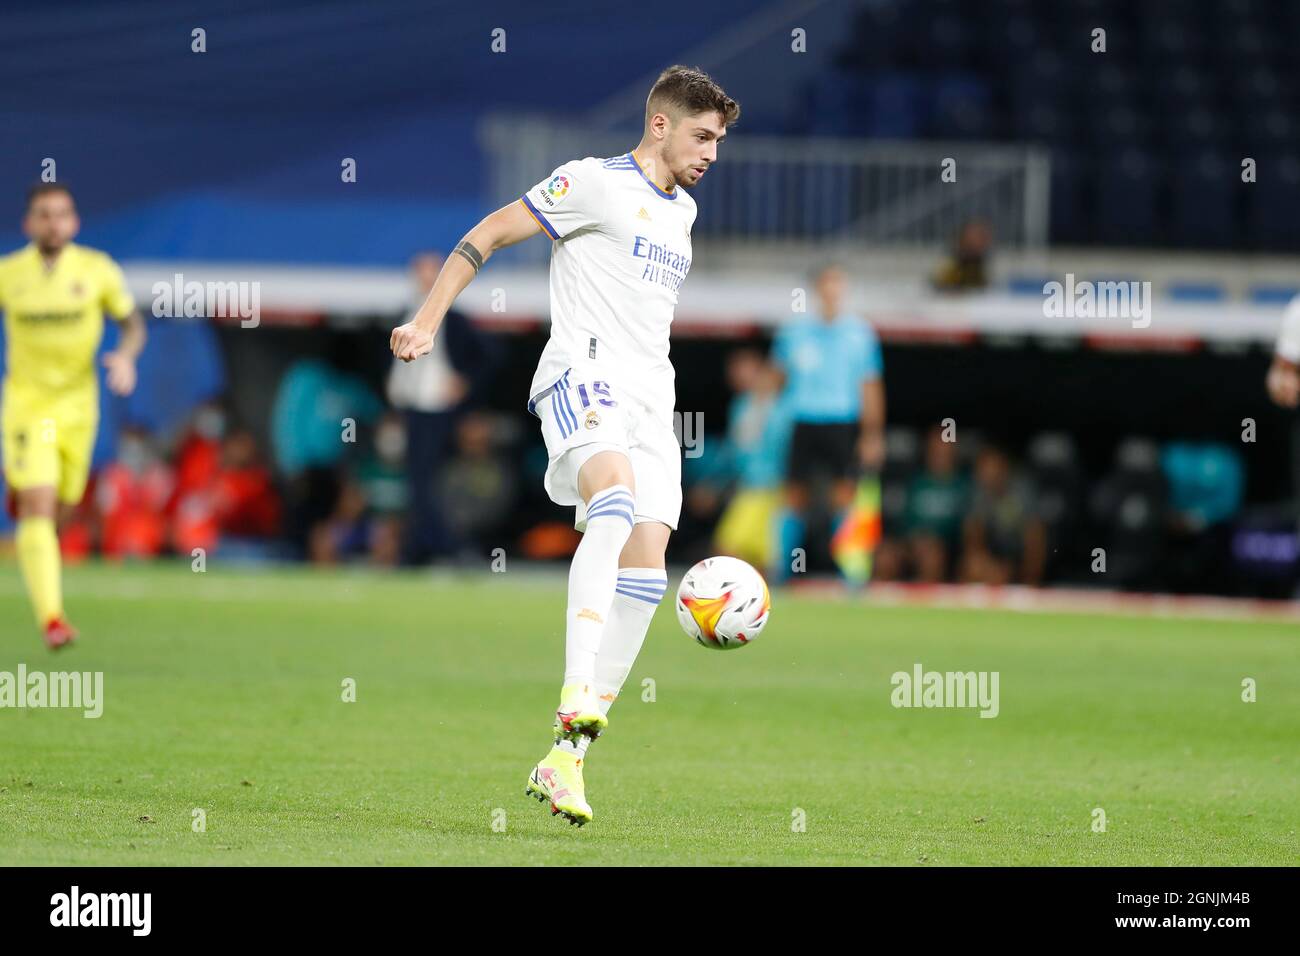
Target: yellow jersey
{"x":54,"y":321}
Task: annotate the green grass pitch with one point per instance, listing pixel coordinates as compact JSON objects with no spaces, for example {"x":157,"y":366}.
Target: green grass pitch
{"x":223,"y":692}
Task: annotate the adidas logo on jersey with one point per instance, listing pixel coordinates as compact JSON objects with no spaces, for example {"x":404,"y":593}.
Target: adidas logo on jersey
{"x":643,"y":214}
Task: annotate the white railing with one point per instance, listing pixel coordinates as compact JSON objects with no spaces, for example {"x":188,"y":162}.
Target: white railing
{"x":815,"y":190}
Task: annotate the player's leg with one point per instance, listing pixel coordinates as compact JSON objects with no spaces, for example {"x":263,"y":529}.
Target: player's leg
{"x":844,"y":468}
{"x":642,"y":579}
{"x":589,"y":467}
{"x":606,"y":484}
{"x":75,"y":444}
{"x":32,"y":467}
{"x":37,"y":544}
{"x":642,"y":582}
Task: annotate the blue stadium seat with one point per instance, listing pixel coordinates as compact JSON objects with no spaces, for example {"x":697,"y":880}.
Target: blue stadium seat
{"x":1269,"y":130}
{"x":896,"y":106}
{"x":961,"y":108}
{"x":1270,"y":203}
{"x":880,"y":38}
{"x":1192,"y":131}
{"x":1117,"y":124}
{"x":831,"y":104}
{"x":948,"y":43}
{"x":1028,"y":285}
{"x":1208,"y":79}
{"x":1045,"y":124}
{"x":1004,"y":40}
{"x":1125,"y":200}
{"x":1195,"y":292}
{"x":1203,"y":202}
{"x":1273,"y":294}
{"x":1071,"y":178}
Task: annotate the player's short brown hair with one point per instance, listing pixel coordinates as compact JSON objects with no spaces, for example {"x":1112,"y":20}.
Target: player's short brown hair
{"x":46,"y":189}
{"x":684,"y":91}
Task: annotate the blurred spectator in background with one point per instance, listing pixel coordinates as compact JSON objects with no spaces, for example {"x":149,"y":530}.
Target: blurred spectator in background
{"x":1004,"y":539}
{"x":967,"y":267}
{"x":198,"y":457}
{"x":132,"y":495}
{"x":1206,"y":482}
{"x":234,"y":503}
{"x":317,"y":410}
{"x":831,"y":367}
{"x":1128,"y":508}
{"x":937,"y":499}
{"x":747,"y":468}
{"x":482,"y":484}
{"x":429,"y":393}
{"x":198,"y":461}
{"x":367,"y":518}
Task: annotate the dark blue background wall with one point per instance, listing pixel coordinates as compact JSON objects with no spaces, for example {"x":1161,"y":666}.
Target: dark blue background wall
{"x":235,"y":153}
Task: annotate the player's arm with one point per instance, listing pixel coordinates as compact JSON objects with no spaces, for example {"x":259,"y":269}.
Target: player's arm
{"x":505,"y":227}
{"x":116,"y":300}
{"x":120,"y":362}
{"x":871,"y":427}
{"x":871,"y":434}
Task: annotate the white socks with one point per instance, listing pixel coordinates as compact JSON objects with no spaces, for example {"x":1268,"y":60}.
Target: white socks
{"x":637,"y":596}
{"x":593,"y":576}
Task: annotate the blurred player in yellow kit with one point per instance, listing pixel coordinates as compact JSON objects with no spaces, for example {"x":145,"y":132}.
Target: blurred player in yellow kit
{"x":54,"y":294}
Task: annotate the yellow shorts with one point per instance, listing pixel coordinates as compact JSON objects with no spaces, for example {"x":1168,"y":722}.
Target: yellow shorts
{"x":745,"y":528}
{"x":48,"y":444}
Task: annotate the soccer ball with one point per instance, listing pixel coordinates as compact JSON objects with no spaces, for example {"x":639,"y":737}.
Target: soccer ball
{"x":723,"y":603}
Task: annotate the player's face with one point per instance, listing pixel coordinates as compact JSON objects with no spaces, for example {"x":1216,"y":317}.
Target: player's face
{"x":52,"y":221}
{"x":693,"y":147}
{"x":831,"y":286}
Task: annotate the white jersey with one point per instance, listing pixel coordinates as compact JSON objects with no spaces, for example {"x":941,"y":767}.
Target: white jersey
{"x":622,"y":249}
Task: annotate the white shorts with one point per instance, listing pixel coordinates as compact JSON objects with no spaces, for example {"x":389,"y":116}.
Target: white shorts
{"x":584,"y":413}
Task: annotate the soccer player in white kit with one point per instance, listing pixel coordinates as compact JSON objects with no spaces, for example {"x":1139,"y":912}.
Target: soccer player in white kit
{"x":603,"y":390}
